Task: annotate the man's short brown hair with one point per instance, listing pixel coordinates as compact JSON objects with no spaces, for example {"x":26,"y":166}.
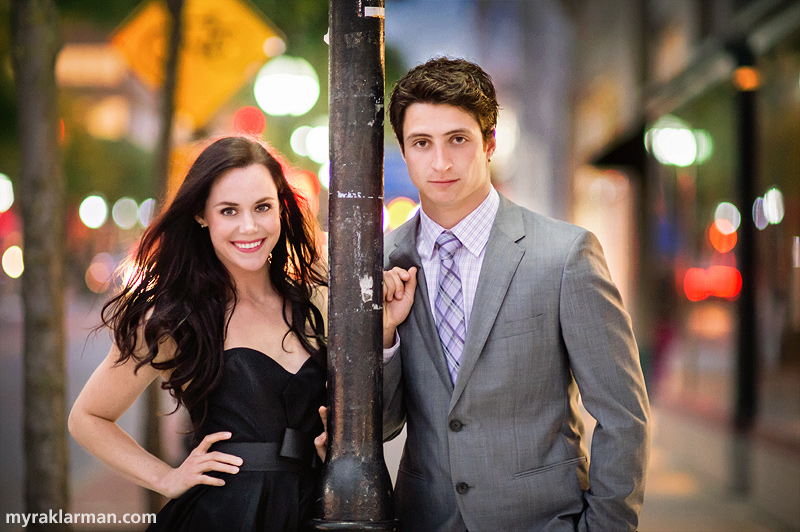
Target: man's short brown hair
{"x":442,"y":80}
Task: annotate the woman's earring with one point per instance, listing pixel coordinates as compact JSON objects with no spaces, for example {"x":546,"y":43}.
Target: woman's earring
{"x":203,"y":225}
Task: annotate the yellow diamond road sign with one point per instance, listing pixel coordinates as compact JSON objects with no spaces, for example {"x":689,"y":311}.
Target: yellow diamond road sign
{"x":224,"y":43}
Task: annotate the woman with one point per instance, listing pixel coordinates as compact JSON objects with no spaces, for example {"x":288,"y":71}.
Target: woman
{"x":222,"y":308}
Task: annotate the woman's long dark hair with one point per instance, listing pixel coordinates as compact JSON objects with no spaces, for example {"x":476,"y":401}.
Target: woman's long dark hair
{"x":181,"y":291}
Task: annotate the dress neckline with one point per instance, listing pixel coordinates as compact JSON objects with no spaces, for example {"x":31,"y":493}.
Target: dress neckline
{"x":270,"y":358}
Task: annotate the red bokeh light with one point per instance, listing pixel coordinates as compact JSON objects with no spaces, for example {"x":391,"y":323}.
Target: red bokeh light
{"x":717,"y":281}
{"x":249,"y":120}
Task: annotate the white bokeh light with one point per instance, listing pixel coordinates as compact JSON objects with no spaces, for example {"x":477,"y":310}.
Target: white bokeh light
{"x":93,"y":211}
{"x":298,"y":140}
{"x":125,"y":213}
{"x":147,"y":211}
{"x":672,"y":142}
{"x":12,"y":262}
{"x":6,"y":193}
{"x":317,"y":144}
{"x":774,"y":209}
{"x":324,"y":175}
{"x":287,"y":86}
{"x":728,"y":211}
{"x":759,"y":219}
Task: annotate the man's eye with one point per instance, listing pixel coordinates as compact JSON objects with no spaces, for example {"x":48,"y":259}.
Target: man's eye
{"x":459,"y":140}
{"x":421,"y":143}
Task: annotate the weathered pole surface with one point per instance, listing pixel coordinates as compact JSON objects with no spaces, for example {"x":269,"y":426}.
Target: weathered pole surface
{"x":35,"y":42}
{"x":356,"y":490}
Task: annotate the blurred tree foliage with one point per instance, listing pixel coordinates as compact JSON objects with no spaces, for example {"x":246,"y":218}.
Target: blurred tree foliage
{"x":122,"y":168}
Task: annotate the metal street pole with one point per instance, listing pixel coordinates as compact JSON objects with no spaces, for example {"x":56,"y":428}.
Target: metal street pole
{"x":356,"y":490}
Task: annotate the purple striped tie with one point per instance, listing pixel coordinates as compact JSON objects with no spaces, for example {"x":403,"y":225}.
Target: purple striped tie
{"x":449,"y":303}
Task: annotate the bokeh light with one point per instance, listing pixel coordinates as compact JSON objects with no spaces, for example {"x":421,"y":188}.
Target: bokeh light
{"x":672,"y":142}
{"x":12,"y":262}
{"x":746,"y":78}
{"x":317,"y":144}
{"x":728,"y":211}
{"x":774,"y":209}
{"x":109,"y":118}
{"x":324,"y":175}
{"x":125,"y":213}
{"x":298,"y":140}
{"x":287,"y":86}
{"x":400,"y":209}
{"x":6,"y":193}
{"x":147,"y":211}
{"x":274,"y":46}
{"x":705,"y":145}
{"x":722,"y":235}
{"x":100,"y":272}
{"x":93,"y":211}
{"x":717,"y":281}
{"x":759,"y":218}
{"x":249,"y":120}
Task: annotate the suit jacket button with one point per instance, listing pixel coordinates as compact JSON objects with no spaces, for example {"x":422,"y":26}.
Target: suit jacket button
{"x":462,"y":487}
{"x":456,"y":425}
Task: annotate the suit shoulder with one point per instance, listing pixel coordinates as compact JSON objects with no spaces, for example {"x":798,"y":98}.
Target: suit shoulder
{"x":539,"y":226}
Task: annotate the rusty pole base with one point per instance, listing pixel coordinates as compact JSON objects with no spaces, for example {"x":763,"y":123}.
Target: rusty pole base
{"x":353,"y":526}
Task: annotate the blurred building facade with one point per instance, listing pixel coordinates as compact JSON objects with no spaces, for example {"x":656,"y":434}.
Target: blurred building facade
{"x":678,"y":126}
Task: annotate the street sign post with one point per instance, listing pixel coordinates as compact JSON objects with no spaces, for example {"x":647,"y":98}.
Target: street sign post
{"x":224,"y":44}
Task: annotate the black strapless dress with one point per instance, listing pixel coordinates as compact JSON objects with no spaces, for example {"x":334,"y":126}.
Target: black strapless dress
{"x":273,"y":416}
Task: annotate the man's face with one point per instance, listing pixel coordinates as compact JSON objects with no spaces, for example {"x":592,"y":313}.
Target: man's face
{"x":447,"y":160}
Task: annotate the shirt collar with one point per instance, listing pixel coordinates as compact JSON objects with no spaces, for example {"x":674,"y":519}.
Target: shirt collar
{"x":473,"y":231}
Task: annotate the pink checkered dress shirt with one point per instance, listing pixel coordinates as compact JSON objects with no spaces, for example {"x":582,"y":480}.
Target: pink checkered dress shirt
{"x":473,"y":232}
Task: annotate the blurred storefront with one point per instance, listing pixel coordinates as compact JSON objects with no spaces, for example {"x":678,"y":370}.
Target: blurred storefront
{"x":688,"y":119}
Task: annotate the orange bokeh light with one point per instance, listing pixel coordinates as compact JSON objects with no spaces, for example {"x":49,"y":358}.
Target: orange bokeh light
{"x":722,"y":235}
{"x":746,"y":78}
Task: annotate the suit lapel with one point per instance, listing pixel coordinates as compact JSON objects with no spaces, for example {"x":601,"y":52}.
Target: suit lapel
{"x":405,"y":255}
{"x":500,"y":262}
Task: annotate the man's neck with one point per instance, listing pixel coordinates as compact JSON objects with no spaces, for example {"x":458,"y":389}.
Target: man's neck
{"x":448,"y":217}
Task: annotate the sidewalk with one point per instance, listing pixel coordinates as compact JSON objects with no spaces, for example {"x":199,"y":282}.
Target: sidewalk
{"x":680,"y":500}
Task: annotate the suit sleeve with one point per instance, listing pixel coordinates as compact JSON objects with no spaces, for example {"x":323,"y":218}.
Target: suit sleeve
{"x":605,"y":363}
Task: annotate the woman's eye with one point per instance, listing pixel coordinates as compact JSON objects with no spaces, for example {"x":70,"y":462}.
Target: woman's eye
{"x":264,"y":207}
{"x":228,"y":211}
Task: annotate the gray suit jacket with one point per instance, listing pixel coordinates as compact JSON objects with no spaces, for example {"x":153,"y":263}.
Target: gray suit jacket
{"x":505,"y":450}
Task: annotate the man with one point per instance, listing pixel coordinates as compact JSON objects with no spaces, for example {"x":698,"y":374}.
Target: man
{"x":514,"y":313}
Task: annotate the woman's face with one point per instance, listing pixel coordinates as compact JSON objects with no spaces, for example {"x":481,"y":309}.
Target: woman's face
{"x":243,"y":217}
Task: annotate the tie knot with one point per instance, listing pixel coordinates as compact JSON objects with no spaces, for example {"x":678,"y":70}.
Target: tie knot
{"x":447,"y":243}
